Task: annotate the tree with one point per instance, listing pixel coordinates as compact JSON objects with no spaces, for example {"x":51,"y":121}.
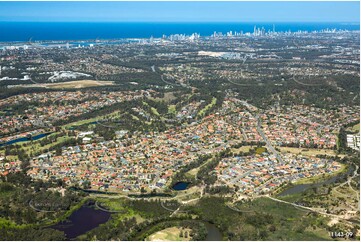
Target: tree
{"x":86,"y":184}
{"x":272,"y":228}
{"x":58,"y":151}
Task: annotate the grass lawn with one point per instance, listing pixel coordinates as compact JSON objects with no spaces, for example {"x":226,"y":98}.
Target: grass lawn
{"x":116,"y":204}
{"x":168,"y":96}
{"x":85,"y":121}
{"x":188,"y":194}
{"x":9,"y":157}
{"x":209,"y":106}
{"x":171,"y":109}
{"x":36,"y":147}
{"x":320,"y":177}
{"x":355,"y":128}
{"x":309,"y":152}
{"x":81,"y":122}
{"x":134,"y":117}
{"x":242,"y":149}
{"x":260,"y":150}
{"x":154,"y":111}
{"x":194,"y":171}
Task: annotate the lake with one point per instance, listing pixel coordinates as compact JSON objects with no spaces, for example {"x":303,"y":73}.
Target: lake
{"x":81,"y":221}
{"x":180,"y":186}
{"x":23,"y":139}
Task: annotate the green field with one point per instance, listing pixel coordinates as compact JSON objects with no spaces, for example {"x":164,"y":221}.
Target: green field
{"x":36,"y":147}
{"x":355,"y":128}
{"x":206,"y":108}
{"x":260,"y":150}
{"x":171,"y":109}
{"x":113,"y":204}
{"x":309,"y":151}
{"x":154,"y":111}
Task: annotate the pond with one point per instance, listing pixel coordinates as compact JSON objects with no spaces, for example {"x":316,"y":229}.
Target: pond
{"x":303,"y":187}
{"x":81,"y":221}
{"x":180,"y":186}
{"x":23,"y":139}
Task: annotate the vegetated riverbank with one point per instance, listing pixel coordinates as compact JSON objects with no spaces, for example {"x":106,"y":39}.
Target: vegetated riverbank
{"x":68,"y":213}
{"x":31,"y":224}
{"x":322,"y":177}
{"x":320,"y":180}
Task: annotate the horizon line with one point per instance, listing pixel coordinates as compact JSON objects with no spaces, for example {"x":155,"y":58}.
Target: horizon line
{"x":122,"y":21}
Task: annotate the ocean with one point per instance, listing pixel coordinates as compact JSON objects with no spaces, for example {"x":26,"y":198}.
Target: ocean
{"x":39,"y":31}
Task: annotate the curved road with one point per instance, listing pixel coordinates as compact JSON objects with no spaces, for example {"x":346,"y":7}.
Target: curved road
{"x":311,"y":209}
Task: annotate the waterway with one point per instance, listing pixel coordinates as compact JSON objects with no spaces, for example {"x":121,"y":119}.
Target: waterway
{"x":23,"y":139}
{"x":303,"y":187}
{"x":213,"y":232}
{"x":81,"y":221}
{"x":180,"y":186}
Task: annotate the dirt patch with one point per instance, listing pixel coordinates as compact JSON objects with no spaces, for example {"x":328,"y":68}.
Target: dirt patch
{"x":309,"y":152}
{"x":78,"y":84}
{"x":171,"y":234}
{"x":70,"y":84}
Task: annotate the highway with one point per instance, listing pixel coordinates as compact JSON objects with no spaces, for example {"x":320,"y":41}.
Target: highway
{"x":161,"y":77}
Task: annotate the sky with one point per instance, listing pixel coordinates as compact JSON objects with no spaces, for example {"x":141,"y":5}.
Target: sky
{"x":181,"y":11}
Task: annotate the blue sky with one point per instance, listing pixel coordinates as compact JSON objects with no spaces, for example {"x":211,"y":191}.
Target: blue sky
{"x":181,"y":11}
